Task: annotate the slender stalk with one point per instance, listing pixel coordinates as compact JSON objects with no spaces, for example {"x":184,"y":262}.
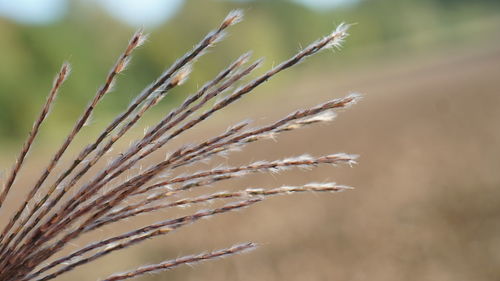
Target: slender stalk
{"x":182,"y":261}
{"x":58,"y":81}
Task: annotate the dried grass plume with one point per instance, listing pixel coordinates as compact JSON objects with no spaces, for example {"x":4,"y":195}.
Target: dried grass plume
{"x":55,"y":213}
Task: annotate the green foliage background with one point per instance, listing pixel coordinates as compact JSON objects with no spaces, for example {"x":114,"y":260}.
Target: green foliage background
{"x":90,"y":39}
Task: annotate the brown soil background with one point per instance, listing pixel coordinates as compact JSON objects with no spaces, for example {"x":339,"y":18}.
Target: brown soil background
{"x":425,"y":205}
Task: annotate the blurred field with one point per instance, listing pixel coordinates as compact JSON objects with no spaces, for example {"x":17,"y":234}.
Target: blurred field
{"x":425,"y":205}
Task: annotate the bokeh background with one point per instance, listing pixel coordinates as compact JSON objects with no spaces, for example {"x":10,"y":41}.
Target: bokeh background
{"x":425,"y":205}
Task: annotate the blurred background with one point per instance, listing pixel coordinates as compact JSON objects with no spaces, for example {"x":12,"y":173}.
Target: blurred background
{"x":425,"y":205}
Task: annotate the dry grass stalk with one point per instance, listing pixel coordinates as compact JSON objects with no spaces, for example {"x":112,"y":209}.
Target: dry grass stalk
{"x":35,"y":234}
{"x":184,"y":260}
{"x":58,"y":81}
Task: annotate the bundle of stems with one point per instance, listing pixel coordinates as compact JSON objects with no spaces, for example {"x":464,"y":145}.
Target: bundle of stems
{"x":56,"y":213}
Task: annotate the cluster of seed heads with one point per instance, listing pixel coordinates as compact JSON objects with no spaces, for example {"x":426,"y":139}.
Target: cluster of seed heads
{"x":54,"y":214}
